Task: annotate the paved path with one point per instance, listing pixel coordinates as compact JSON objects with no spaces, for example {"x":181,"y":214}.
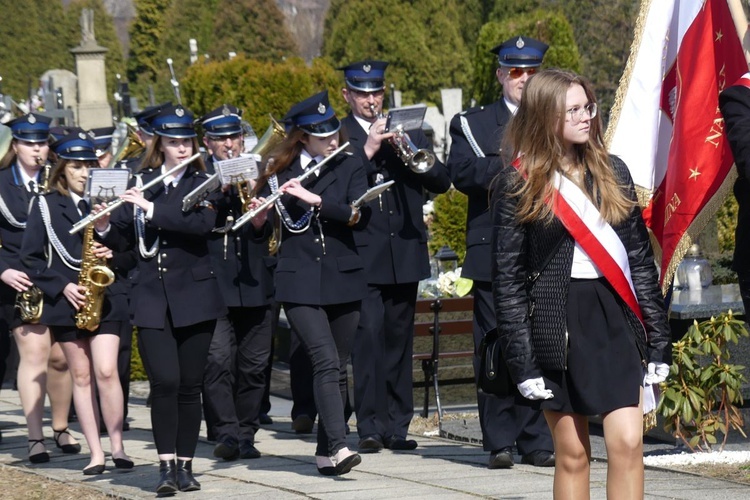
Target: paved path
{"x":439,"y":468}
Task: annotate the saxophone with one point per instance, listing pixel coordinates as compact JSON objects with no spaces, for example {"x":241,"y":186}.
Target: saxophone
{"x":31,"y":302}
{"x":94,"y":276}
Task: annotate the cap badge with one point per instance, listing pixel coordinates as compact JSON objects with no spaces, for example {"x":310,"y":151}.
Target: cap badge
{"x":321,"y":108}
{"x":81,"y":135}
{"x":32,"y":119}
{"x":519,"y":43}
{"x":225,"y":111}
{"x":366,"y":68}
{"x":91,"y":134}
{"x":179,"y":112}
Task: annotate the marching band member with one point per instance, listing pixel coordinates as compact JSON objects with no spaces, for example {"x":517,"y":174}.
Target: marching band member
{"x":394,"y":248}
{"x":102,"y":139}
{"x":42,"y":369}
{"x":319,"y":276}
{"x":175,"y":299}
{"x":473,"y":162}
{"x":234,"y":381}
{"x":90,"y":354}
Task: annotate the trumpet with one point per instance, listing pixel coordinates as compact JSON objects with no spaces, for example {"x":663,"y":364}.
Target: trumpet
{"x":94,"y":217}
{"x":418,"y":160}
{"x":250,"y":214}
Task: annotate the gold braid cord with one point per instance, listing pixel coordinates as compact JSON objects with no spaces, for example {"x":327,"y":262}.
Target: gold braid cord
{"x":622,"y":89}
{"x":697,"y":226}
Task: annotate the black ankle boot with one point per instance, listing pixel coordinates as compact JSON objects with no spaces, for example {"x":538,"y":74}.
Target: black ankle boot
{"x":167,"y":478}
{"x":185,"y":479}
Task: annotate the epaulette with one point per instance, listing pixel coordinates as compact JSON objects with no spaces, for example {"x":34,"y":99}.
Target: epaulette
{"x":473,"y":110}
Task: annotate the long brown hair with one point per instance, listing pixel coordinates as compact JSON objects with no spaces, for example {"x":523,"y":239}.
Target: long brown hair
{"x":154,"y":157}
{"x":57,"y":180}
{"x":535,"y":134}
{"x":285,"y":153}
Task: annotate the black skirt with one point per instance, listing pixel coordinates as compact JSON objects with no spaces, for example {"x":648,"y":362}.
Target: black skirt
{"x":71,"y":333}
{"x":604,"y":368}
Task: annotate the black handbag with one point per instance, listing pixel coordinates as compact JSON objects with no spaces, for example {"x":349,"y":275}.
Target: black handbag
{"x":493,"y":373}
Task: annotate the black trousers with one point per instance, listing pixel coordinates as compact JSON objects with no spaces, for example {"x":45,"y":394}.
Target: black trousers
{"x":174,"y":359}
{"x":123,"y":362}
{"x":235,"y":376}
{"x":327,"y":332}
{"x":301,"y":379}
{"x":503,"y":422}
{"x":382,"y":361}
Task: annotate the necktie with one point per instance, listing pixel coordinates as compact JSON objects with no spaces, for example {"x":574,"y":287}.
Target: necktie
{"x":83,"y":207}
{"x":32,"y":186}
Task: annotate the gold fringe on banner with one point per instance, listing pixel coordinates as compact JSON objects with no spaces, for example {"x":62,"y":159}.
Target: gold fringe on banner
{"x":622,"y":88}
{"x":697,"y":226}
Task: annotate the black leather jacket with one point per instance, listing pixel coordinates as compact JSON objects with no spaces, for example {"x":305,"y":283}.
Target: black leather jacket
{"x":530,"y":305}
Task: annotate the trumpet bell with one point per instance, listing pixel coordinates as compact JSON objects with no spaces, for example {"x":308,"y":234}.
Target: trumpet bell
{"x":422,"y":161}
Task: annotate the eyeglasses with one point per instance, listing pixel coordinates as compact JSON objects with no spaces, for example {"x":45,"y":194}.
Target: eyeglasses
{"x":576,"y":113}
{"x":518,"y":72}
{"x":361,"y":94}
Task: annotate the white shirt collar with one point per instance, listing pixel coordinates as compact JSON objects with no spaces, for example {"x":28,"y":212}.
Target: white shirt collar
{"x":173,"y":180}
{"x":305,"y":158}
{"x":512,"y":107}
{"x":363,"y":123}
{"x":76,"y":199}
{"x":25,"y":179}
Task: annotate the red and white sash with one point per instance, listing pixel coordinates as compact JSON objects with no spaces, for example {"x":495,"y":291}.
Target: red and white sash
{"x":595,"y":236}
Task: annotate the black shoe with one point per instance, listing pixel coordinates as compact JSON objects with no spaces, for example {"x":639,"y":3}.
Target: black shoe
{"x":167,"y":478}
{"x":66,"y":448}
{"x":94,"y":470}
{"x":539,"y":458}
{"x":185,"y":479}
{"x":303,"y":424}
{"x":400,"y":444}
{"x":228,"y":450}
{"x":123,"y":463}
{"x":501,"y":459}
{"x":264,"y":419}
{"x":248,"y":450}
{"x":370,"y":444}
{"x":347,"y":464}
{"x":38,"y":458}
{"x":325,"y":466}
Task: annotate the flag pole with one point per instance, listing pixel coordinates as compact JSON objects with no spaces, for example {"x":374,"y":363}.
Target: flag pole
{"x":740,"y":24}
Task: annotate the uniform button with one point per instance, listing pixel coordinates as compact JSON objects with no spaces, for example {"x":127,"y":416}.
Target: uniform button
{"x":317,"y":240}
{"x":393,"y":235}
{"x":390,"y":212}
{"x":163,"y":256}
{"x":164,"y":270}
{"x":317,"y":259}
{"x":164,"y":242}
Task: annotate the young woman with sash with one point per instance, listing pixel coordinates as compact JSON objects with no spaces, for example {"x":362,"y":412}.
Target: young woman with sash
{"x":53,"y":259}
{"x":175,"y":299}
{"x":319,"y":276}
{"x":580,"y":315}
{"x":42,"y":368}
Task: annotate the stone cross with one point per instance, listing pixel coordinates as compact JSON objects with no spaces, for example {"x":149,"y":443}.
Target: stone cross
{"x":87,"y":27}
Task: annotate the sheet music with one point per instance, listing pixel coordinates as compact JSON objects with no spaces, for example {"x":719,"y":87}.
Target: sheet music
{"x":106,"y":184}
{"x":242,"y":168}
{"x":409,"y":117}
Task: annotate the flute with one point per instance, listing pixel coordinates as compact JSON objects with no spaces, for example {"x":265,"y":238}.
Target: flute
{"x":247,"y":216}
{"x":94,"y":217}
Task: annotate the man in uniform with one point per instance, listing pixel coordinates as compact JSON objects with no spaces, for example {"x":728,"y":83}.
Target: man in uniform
{"x":393,"y":246}
{"x":234,"y":380}
{"x":102,"y":138}
{"x":473,"y":162}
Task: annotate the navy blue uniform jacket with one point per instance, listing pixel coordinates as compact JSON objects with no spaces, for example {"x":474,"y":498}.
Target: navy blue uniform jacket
{"x":322,"y":269}
{"x":393,"y":242}
{"x":180,"y":276}
{"x":472,"y":176}
{"x":244,"y":270}
{"x":53,"y":278}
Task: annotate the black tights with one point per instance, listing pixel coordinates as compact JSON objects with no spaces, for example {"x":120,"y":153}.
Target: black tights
{"x":174,"y":359}
{"x":327,"y":333}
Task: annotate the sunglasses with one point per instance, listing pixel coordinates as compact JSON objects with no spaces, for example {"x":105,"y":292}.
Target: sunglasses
{"x":518,"y":72}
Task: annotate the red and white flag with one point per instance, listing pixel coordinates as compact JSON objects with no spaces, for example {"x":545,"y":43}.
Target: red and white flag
{"x":666,"y":123}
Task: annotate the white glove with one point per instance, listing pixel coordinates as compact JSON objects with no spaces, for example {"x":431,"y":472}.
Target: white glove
{"x":657,"y":373}
{"x":533,"y":388}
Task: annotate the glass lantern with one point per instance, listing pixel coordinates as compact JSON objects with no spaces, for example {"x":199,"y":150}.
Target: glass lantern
{"x":694,"y":272}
